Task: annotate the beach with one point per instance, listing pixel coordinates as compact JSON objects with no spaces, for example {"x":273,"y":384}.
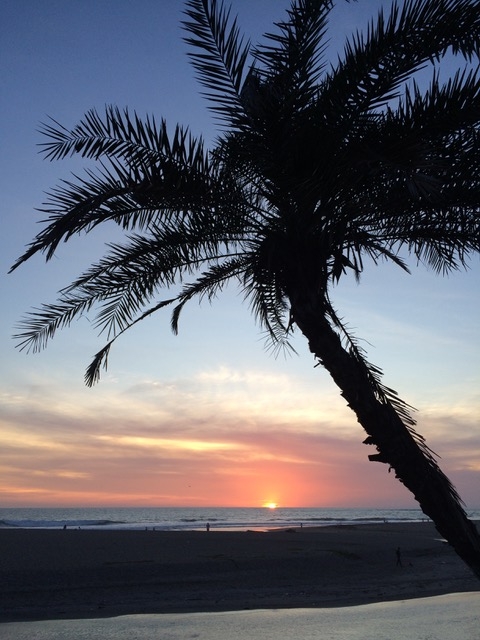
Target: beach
{"x":75,"y":574}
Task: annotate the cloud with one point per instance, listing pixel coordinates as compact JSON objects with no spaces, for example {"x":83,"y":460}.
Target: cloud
{"x":219,"y":437}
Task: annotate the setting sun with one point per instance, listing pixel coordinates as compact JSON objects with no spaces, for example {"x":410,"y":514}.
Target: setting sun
{"x":270,"y":505}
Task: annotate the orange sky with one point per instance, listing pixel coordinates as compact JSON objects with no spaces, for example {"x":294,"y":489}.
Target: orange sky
{"x":222,"y":438}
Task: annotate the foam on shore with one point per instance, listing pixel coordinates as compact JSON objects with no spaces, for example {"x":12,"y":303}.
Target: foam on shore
{"x":439,"y":618}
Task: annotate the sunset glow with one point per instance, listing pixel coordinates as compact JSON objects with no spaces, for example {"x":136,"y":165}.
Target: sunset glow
{"x":270,"y":505}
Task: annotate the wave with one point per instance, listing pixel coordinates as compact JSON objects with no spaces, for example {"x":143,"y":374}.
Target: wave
{"x":59,"y":524}
{"x":195,"y":519}
{"x":366,"y":519}
{"x":203,"y":519}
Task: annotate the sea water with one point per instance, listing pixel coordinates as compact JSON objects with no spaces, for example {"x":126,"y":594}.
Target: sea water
{"x":177,"y":519}
{"x":439,"y":618}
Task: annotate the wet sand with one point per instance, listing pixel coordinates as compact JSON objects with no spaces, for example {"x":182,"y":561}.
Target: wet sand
{"x":56,"y":574}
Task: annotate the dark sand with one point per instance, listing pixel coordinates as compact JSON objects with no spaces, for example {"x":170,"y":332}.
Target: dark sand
{"x":49,"y":574}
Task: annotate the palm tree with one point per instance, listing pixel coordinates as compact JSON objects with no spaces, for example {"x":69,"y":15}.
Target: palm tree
{"x":317,"y":170}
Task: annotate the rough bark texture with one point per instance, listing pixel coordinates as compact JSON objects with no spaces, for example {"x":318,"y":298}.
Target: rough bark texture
{"x":396,"y":444}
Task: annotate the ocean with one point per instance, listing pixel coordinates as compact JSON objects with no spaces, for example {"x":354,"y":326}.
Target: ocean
{"x":438,"y":618}
{"x":196,"y":518}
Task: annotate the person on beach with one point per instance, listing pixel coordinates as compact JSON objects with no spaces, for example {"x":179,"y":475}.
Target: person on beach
{"x":208,"y":526}
{"x":399,"y":557}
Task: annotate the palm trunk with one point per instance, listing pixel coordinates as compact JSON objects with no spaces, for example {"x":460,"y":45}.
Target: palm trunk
{"x":396,"y":444}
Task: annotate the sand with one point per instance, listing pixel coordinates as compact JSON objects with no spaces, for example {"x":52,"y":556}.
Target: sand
{"x":72,"y":574}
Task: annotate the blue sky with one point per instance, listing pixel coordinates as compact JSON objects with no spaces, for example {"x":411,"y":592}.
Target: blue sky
{"x":208,"y":417}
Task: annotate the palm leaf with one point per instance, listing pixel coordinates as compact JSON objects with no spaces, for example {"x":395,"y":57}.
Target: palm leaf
{"x":208,"y":284}
{"x":375,"y":67}
{"x":92,"y":374}
{"x":295,"y":57}
{"x":218,"y":54}
{"x":136,"y":195}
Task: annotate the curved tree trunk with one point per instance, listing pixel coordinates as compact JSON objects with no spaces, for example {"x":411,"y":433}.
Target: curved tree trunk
{"x":394,"y":441}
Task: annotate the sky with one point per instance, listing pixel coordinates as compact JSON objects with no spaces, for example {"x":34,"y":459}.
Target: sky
{"x":209,"y":417}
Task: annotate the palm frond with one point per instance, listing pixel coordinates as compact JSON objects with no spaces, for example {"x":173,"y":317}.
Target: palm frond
{"x":92,"y":374}
{"x":375,"y":66}
{"x":388,"y":396}
{"x":441,"y":110}
{"x":219,"y":55}
{"x":179,"y":178}
{"x":40,"y":325}
{"x":131,"y":275}
{"x":125,"y":280}
{"x":116,"y":134}
{"x":373,"y":373}
{"x":445,"y":239}
{"x":209,"y":284}
{"x":119,"y":135}
{"x":268,"y":303}
{"x":295,"y":57}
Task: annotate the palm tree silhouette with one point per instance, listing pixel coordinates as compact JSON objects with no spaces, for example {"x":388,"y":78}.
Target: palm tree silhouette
{"x":317,"y":170}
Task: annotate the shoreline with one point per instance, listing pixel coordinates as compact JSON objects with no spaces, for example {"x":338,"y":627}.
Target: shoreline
{"x":72,"y":574}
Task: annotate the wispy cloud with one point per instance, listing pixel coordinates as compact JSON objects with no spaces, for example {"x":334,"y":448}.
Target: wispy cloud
{"x":219,"y":437}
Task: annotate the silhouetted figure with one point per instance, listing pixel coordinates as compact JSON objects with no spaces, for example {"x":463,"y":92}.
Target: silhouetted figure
{"x":208,"y":526}
{"x":398,"y":553}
